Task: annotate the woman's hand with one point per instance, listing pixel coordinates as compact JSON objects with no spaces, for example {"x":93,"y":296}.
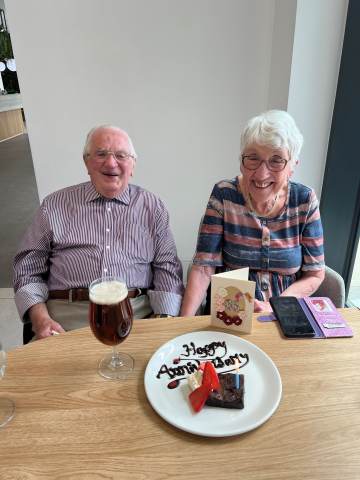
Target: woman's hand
{"x":260,"y":306}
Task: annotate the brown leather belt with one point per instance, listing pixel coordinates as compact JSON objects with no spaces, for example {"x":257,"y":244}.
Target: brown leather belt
{"x":82,"y":294}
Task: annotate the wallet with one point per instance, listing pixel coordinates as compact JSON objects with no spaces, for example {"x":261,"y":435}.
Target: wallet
{"x":325,"y":319}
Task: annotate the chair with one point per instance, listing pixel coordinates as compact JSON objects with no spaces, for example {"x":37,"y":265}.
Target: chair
{"x":333,"y":287}
{"x":27,"y":333}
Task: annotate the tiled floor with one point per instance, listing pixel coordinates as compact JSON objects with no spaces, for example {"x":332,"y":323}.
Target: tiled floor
{"x":18,"y":191}
{"x":10,"y":324}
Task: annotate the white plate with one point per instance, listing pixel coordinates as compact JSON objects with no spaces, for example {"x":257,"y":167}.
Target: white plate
{"x":262,"y":384}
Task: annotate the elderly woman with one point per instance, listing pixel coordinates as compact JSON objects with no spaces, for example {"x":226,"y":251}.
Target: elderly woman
{"x":262,"y":220}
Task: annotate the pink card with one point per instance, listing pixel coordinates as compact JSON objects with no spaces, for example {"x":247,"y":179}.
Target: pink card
{"x":330,"y":321}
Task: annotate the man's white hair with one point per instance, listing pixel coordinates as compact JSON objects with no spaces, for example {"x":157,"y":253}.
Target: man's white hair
{"x":89,"y":136}
{"x":276,"y":129}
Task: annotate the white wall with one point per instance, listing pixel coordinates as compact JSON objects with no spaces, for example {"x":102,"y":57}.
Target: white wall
{"x":181,"y":77}
{"x":318,"y":40}
{"x":281,"y":53}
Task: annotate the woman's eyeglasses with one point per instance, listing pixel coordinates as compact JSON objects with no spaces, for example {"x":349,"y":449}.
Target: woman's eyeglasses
{"x":274,"y":163}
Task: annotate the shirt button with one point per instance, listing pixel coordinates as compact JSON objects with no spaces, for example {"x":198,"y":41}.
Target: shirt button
{"x":108,"y":246}
{"x":105,"y":270}
{"x":109,"y":209}
{"x":108,"y":230}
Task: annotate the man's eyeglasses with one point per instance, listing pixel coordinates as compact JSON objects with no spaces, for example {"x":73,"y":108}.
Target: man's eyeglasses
{"x":120,"y":156}
{"x":274,"y":164}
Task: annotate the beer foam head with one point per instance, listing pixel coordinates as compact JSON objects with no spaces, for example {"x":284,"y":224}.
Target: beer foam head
{"x":108,"y":293}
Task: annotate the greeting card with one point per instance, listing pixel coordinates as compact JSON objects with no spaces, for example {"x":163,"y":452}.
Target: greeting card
{"x":232,"y":300}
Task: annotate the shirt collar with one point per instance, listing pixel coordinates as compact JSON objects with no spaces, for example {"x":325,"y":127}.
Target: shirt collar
{"x":91,"y":194}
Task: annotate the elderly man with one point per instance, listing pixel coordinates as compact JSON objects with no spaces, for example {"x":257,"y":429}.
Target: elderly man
{"x":94,"y":229}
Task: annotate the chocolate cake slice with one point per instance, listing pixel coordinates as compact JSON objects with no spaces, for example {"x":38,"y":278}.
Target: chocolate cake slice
{"x":231,"y":392}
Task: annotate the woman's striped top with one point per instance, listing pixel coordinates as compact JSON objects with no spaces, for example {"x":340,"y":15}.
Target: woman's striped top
{"x":276,"y":249}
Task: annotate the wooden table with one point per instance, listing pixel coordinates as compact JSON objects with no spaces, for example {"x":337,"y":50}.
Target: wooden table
{"x":70,"y":423}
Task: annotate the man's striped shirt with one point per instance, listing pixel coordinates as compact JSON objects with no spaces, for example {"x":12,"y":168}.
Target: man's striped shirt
{"x":78,"y":235}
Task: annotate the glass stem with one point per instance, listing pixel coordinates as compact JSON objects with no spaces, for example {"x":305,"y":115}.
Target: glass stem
{"x":115,"y":359}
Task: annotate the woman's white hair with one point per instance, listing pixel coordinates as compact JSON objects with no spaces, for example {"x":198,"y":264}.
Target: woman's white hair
{"x":89,"y":136}
{"x":276,"y":129}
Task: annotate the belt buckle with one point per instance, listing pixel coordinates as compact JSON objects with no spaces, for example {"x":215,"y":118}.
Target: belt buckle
{"x":137,"y":292}
{"x":70,"y":295}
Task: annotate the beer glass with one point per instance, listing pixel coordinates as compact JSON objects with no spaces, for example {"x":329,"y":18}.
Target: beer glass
{"x":111,"y":318}
{"x":7,"y":406}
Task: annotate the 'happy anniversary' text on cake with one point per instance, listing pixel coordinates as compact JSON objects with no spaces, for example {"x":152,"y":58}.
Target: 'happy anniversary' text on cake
{"x":192,"y":355}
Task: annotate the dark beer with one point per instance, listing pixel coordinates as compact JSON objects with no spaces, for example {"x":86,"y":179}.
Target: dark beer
{"x":111,"y":314}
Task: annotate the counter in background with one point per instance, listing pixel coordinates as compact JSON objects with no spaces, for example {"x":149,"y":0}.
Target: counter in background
{"x":11,"y":119}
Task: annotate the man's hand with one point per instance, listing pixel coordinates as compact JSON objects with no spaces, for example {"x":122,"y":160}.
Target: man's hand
{"x":262,"y":306}
{"x":42,"y":324}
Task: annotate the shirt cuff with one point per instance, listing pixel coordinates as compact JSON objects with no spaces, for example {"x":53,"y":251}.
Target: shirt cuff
{"x":30,"y":295}
{"x":165,"y":302}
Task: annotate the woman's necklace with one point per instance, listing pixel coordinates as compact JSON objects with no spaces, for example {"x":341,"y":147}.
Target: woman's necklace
{"x":268,"y":212}
{"x":275,"y":206}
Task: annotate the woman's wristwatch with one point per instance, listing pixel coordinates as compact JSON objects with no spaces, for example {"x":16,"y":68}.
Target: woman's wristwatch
{"x":162,"y":315}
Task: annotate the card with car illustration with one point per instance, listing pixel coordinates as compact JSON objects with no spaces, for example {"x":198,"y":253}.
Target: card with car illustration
{"x":232,"y":300}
